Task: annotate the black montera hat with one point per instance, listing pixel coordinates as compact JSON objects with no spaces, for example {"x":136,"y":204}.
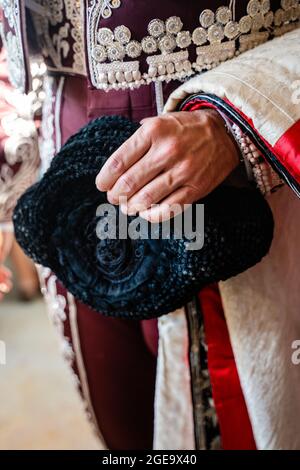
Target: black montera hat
{"x":55,"y":224}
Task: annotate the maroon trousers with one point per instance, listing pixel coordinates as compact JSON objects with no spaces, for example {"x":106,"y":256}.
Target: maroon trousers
{"x":114,"y":359}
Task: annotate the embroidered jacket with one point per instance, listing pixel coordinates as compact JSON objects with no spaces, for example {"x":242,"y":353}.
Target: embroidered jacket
{"x":19,"y":156}
{"x":118,"y":44}
{"x":265,"y":98}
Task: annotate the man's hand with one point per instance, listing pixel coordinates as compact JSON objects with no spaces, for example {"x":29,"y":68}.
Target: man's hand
{"x":6,"y":239}
{"x":176,"y":158}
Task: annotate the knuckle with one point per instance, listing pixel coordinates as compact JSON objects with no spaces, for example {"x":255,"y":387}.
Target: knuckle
{"x":190,"y":194}
{"x":127,"y":183}
{"x":146,"y":199}
{"x":173,"y":147}
{"x":154,"y":125}
{"x":116,"y":163}
{"x":184,"y":169}
{"x":170,"y":180}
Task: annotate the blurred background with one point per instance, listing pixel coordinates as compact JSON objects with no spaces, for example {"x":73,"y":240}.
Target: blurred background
{"x":40,"y":407}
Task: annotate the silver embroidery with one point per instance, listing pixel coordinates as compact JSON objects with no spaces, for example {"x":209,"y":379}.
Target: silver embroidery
{"x":156,"y":28}
{"x":207,"y":18}
{"x":20,"y":147}
{"x":174,"y":25}
{"x":56,"y":305}
{"x":231,"y":30}
{"x":67,"y":15}
{"x":55,"y":8}
{"x":105,"y":36}
{"x":257,"y":22}
{"x":108,"y":6}
{"x":12,"y":41}
{"x":249,"y":41}
{"x":15,"y":62}
{"x":278,"y":19}
{"x":215,"y":33}
{"x":199,"y":36}
{"x":265,"y":6}
{"x":214,"y":30}
{"x":9,"y":9}
{"x":217,"y":38}
{"x":211,"y":56}
{"x":253,"y":7}
{"x":47,"y":147}
{"x":167,"y":43}
{"x":183,"y":39}
{"x":245,"y":24}
{"x":99,"y":53}
{"x":115,"y":51}
{"x":223,"y":15}
{"x":268,"y":20}
{"x":166,"y":64}
{"x":119,"y":73}
{"x":122,"y":34}
{"x":149,"y":45}
{"x":133,"y":49}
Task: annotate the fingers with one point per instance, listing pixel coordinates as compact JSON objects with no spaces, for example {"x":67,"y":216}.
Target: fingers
{"x":129,"y":153}
{"x":170,"y":206}
{"x":152,"y":193}
{"x":138,"y":176}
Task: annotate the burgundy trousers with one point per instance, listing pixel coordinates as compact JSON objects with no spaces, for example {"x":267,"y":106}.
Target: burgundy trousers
{"x":114,"y":359}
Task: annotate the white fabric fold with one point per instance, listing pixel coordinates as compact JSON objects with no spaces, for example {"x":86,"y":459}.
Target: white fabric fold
{"x":262,"y":305}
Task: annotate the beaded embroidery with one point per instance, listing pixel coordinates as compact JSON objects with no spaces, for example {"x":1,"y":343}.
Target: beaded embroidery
{"x":66,"y":16}
{"x":267,"y":180}
{"x":108,"y":6}
{"x":168,"y":49}
{"x":168,"y":45}
{"x":164,"y":36}
{"x":12,"y":40}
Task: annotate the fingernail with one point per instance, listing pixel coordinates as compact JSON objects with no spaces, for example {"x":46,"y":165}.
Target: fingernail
{"x":97,"y":182}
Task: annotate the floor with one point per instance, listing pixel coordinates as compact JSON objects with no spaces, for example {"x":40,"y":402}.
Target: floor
{"x":39,"y":406}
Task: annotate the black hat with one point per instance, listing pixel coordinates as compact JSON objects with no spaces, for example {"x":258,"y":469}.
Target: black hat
{"x":56,"y":225}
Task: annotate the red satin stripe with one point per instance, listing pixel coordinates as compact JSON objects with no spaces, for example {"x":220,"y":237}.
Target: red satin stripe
{"x":288,"y":146}
{"x":235,"y":426}
{"x":286,"y":149}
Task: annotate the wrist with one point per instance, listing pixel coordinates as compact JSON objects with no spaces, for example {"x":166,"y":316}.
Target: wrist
{"x":220,"y":127}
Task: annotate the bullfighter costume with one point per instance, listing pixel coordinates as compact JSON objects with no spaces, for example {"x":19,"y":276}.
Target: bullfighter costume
{"x":138,"y":59}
